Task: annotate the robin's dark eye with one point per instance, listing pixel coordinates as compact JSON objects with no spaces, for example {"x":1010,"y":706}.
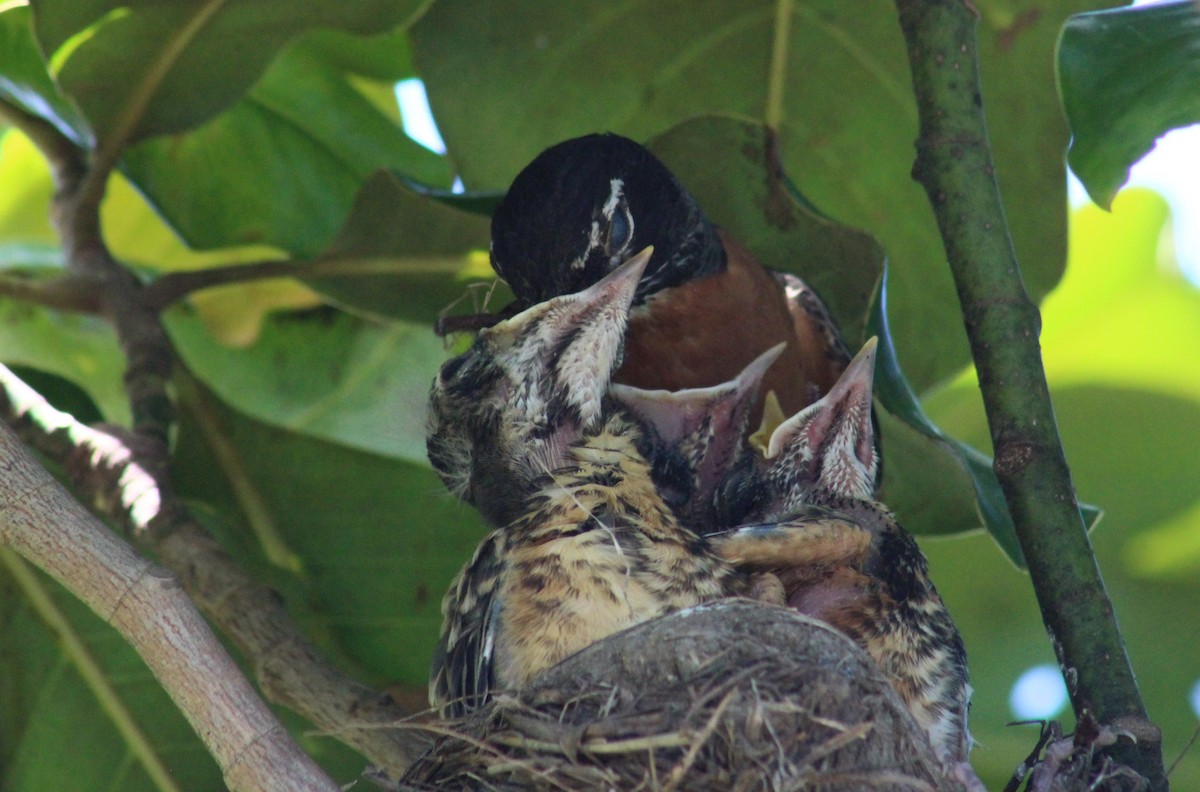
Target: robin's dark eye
{"x":620,"y":229}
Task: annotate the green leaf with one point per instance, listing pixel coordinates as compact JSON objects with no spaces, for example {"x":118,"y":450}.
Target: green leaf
{"x":324,"y":374}
{"x":1126,"y":76}
{"x":415,"y":252}
{"x":171,"y":67}
{"x":558,"y":70}
{"x":82,"y":349}
{"x":54,"y":722}
{"x":275,"y":168}
{"x":25,"y":232}
{"x":24,"y":79}
{"x":379,"y":538}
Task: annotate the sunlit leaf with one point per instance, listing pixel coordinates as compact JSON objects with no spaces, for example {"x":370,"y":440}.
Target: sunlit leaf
{"x":173,"y":66}
{"x":1127,"y":76}
{"x":24,"y":201}
{"x":326,"y":375}
{"x":275,"y":168}
{"x":1123,"y":315}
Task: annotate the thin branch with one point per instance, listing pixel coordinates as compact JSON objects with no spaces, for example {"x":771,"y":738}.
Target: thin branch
{"x":66,"y":159}
{"x":44,"y":524}
{"x":65,"y":293}
{"x":167,"y":289}
{"x":108,"y":470}
{"x":174,"y":286}
{"x":954,"y":164}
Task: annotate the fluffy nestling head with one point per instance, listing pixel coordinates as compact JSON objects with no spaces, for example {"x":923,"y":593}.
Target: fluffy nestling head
{"x":825,"y":452}
{"x":507,"y":410}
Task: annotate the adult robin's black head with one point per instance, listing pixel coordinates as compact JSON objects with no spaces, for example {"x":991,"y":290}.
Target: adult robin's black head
{"x":585,"y":206}
{"x":507,"y":410}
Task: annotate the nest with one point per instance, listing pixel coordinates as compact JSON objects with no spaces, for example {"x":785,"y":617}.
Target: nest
{"x":731,"y":695}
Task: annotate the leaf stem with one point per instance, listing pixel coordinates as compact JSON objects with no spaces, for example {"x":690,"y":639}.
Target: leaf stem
{"x":954,"y":164}
{"x":777,"y":80}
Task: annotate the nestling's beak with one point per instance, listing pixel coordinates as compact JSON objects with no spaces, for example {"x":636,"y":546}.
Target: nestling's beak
{"x":839,"y":427}
{"x":583,"y":334}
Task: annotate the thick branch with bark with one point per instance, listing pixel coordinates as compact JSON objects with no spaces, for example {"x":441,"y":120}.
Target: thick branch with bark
{"x":954,"y":165}
{"x":44,"y":524}
{"x":126,"y":475}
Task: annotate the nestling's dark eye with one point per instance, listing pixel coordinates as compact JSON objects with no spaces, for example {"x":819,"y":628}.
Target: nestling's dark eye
{"x":451,"y":368}
{"x":620,"y":229}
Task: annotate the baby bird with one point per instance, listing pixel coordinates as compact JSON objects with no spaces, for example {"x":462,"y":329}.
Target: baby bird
{"x":865,"y":574}
{"x":521,"y":427}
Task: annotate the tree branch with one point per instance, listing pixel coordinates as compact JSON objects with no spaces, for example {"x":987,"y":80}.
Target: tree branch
{"x":108,"y":470}
{"x":65,"y":293}
{"x":173,"y":286}
{"x":66,"y":159}
{"x":45,"y":525}
{"x":954,"y":165}
{"x":127,"y":477}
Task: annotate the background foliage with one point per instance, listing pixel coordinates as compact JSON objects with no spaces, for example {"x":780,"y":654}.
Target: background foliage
{"x":268,"y":131}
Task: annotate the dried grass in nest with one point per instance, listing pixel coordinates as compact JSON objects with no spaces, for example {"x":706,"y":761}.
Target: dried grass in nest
{"x":730,"y":696}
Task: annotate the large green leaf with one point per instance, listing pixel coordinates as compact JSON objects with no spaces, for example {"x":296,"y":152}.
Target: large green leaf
{"x":324,"y":374}
{"x":1126,"y":77}
{"x":171,"y":66}
{"x":23,"y":76}
{"x":848,"y":118}
{"x":54,"y":725}
{"x":415,"y":253}
{"x":275,"y":168}
{"x":379,"y":539}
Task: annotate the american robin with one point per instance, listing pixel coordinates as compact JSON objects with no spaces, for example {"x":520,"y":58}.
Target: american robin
{"x":705,"y":307}
{"x":586,"y":545}
{"x":865,"y":574}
